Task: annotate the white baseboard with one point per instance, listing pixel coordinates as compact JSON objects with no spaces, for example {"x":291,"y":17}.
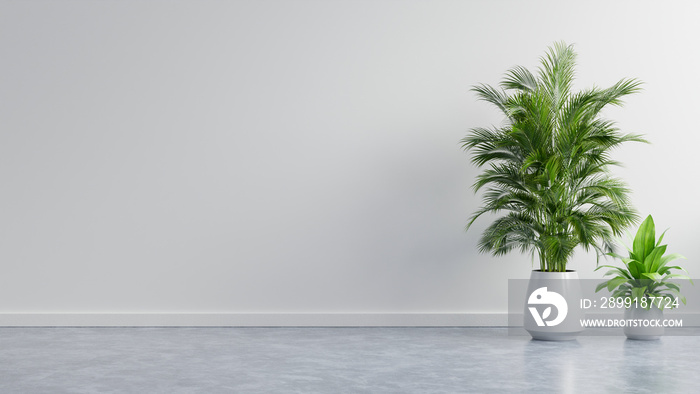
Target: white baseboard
{"x":253,"y":319}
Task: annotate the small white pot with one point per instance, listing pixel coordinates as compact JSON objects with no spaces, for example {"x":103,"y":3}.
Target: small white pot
{"x":639,"y":330}
{"x":552,"y":306}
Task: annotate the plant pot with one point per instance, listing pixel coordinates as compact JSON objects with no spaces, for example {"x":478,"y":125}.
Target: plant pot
{"x":552,"y":306}
{"x":639,"y":330}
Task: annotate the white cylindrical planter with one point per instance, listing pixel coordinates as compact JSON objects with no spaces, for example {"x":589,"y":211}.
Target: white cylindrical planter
{"x":641,"y":323}
{"x":553,"y":306}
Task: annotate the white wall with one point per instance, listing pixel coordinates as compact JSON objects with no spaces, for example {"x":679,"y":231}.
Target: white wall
{"x":299,"y":156}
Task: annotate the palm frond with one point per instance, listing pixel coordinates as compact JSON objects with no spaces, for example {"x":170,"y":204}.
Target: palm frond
{"x":556,"y":73}
{"x":519,"y":78}
{"x":492,"y":95}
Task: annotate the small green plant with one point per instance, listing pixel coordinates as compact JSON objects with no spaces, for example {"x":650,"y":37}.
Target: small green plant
{"x":646,"y":277}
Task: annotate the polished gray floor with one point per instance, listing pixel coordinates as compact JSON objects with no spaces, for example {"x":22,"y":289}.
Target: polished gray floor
{"x":337,"y":360}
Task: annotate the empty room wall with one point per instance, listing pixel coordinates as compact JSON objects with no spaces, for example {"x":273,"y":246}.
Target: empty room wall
{"x":299,"y":157}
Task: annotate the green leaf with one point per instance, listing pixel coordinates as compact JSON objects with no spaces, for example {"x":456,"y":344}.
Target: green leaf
{"x":645,"y":239}
{"x":679,"y":276}
{"x":619,"y":270}
{"x":679,"y":295}
{"x":667,"y":259}
{"x":635,"y":268}
{"x":661,"y":238}
{"x":611,"y":254}
{"x":629,"y":260}
{"x":612,"y":272}
{"x":519,"y":78}
{"x":652,"y":275}
{"x":615,"y":282}
{"x":638,"y":292}
{"x":653,"y":260}
{"x":601,"y":286}
{"x":668,"y":269}
{"x":674,"y":267}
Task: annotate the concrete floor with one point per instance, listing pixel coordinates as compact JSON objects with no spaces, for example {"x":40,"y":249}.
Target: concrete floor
{"x":337,"y":360}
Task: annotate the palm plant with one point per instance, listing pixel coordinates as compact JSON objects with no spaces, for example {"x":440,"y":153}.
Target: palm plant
{"x":548,"y":165}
